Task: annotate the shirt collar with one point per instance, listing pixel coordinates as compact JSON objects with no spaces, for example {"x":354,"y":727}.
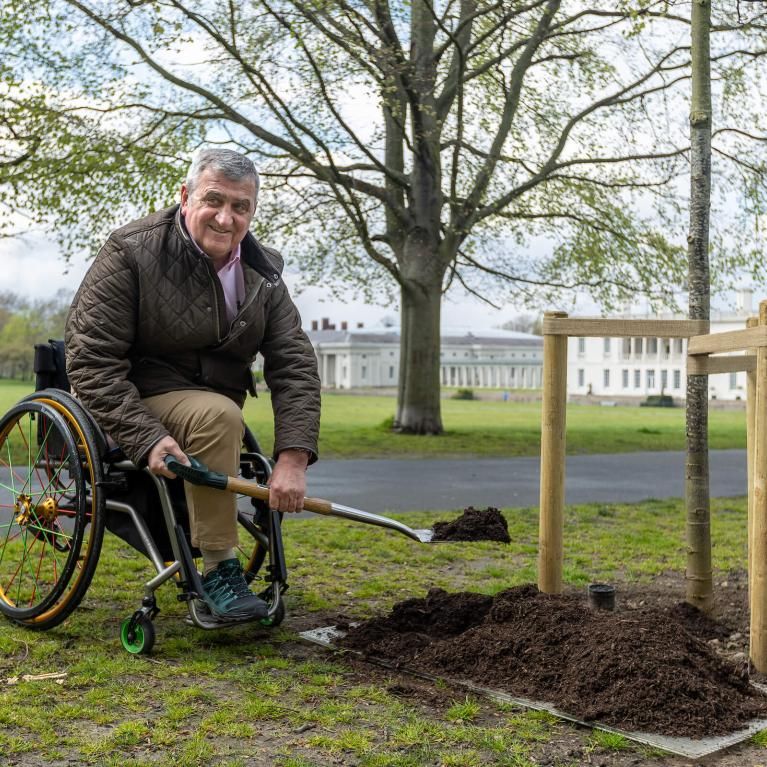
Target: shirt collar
{"x":234,"y":256}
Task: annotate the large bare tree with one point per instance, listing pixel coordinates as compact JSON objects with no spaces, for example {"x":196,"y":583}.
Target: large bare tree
{"x":411,"y":147}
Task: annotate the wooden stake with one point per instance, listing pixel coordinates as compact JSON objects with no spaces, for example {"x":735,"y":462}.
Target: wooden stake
{"x":552,"y":500}
{"x":751,"y":322}
{"x":758,"y":553}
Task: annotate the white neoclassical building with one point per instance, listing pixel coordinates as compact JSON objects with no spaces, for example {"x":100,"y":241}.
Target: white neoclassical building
{"x":369,"y":357}
{"x":637,"y":367}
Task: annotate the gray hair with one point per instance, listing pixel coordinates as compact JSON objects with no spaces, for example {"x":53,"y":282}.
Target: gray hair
{"x":233,"y":165}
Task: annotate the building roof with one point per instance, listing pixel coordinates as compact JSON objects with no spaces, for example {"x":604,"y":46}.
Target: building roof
{"x":450,"y":335}
{"x":356,"y":336}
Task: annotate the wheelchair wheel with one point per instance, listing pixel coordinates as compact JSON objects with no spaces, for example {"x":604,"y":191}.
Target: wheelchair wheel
{"x":279,"y":616}
{"x":91,"y":446}
{"x":138,"y":640}
{"x":50,"y":524}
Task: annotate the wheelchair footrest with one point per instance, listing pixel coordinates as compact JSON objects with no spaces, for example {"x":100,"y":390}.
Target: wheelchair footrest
{"x":201,"y":616}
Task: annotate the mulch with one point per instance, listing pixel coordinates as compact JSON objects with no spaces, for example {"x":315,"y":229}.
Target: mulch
{"x":647,"y":668}
{"x":474,"y":525}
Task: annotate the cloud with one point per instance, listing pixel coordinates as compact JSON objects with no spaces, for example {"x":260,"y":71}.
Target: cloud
{"x":34,"y":268}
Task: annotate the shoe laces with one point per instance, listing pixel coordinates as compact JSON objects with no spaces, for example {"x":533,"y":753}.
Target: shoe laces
{"x":236,"y":581}
{"x":218,"y":588}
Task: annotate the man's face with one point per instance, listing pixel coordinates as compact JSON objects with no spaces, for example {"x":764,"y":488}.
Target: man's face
{"x":218,"y":212}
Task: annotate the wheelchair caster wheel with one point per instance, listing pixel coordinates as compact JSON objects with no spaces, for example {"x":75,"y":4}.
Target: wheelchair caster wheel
{"x":140,"y":639}
{"x":274,"y":620}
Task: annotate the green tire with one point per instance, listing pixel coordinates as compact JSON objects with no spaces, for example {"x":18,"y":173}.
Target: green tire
{"x":142,"y":641}
{"x":276,"y":619}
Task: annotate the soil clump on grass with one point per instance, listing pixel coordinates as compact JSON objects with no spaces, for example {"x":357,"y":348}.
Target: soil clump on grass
{"x":637,"y":669}
{"x":474,"y":525}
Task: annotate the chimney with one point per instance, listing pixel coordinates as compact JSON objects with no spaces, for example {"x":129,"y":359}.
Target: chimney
{"x":344,"y":326}
{"x":360,"y":325}
{"x":325,"y":323}
{"x":315,"y":325}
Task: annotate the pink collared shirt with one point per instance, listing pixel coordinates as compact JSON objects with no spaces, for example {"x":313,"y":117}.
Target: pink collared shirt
{"x":233,"y":282}
{"x":231,"y":278}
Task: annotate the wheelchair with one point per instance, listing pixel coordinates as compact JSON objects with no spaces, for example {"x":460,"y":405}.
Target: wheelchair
{"x":62,"y":484}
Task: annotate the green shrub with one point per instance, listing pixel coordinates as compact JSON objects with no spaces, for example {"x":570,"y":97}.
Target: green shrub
{"x":658,"y":400}
{"x":464,"y":394}
{"x":387,"y":424}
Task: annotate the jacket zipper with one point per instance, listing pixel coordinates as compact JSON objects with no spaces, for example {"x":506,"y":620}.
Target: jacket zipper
{"x":216,"y":285}
{"x":251,"y":298}
{"x":248,"y":301}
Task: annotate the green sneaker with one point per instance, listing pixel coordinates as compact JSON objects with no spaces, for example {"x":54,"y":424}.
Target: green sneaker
{"x":227,"y":594}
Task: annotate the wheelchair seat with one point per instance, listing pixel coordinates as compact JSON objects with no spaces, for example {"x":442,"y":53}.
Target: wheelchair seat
{"x":51,"y":375}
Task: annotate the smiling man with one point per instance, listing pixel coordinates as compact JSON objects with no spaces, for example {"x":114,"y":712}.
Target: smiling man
{"x":160,"y":340}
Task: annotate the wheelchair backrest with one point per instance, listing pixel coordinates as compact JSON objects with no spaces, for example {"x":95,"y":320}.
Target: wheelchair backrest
{"x":50,"y":366}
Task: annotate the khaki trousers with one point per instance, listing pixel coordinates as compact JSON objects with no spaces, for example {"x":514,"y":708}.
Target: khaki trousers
{"x":208,"y":426}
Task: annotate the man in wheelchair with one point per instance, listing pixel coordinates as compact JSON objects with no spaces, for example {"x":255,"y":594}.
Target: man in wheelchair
{"x":160,"y":340}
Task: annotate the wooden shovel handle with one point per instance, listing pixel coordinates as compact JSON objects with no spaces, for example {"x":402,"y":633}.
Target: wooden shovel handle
{"x":254,"y":490}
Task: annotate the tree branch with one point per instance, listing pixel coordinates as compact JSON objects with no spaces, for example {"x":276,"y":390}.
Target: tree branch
{"x":618,"y":97}
{"x":482,"y":179}
{"x":298,"y":151}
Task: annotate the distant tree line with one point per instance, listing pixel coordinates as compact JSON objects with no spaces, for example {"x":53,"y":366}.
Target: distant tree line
{"x":525,"y":323}
{"x":24,"y":323}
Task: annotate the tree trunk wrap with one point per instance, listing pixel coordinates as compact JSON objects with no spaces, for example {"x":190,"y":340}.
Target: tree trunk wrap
{"x":698,"y":576}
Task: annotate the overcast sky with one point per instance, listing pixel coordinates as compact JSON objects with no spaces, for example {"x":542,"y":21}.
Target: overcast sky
{"x":33,"y":268}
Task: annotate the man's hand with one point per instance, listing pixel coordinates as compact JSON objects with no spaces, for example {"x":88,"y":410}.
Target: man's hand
{"x":156,"y":460}
{"x":287,"y":485}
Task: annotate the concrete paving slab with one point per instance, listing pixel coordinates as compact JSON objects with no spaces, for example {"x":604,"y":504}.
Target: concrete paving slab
{"x":692,"y":748}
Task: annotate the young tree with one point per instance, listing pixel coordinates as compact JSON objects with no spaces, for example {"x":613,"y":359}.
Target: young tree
{"x":698,"y":575}
{"x":411,"y":147}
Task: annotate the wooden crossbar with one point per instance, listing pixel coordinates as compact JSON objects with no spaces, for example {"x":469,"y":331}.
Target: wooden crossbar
{"x":619,"y":328}
{"x":732,"y":341}
{"x":702,"y":365}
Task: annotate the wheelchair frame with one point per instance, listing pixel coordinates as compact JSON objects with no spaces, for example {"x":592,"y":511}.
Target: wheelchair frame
{"x":52,"y":529}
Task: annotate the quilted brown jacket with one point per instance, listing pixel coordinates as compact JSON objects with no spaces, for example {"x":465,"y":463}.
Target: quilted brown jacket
{"x":150,"y":318}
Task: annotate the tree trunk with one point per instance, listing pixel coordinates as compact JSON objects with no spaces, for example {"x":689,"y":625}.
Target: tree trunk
{"x":418,"y":406}
{"x":698,"y":576}
{"x":405,"y":323}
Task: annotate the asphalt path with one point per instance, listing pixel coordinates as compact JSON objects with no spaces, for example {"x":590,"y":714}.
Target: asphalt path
{"x":381,"y":485}
{"x":405,"y":485}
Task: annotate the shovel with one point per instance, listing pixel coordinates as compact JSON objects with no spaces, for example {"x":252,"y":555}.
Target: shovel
{"x":199,"y":474}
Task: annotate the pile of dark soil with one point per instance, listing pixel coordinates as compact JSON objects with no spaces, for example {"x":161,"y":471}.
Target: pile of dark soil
{"x":640,"y":669}
{"x":474,"y":525}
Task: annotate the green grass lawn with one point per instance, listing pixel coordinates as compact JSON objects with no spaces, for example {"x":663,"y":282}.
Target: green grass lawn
{"x":355,"y":427}
{"x":251,"y":696}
